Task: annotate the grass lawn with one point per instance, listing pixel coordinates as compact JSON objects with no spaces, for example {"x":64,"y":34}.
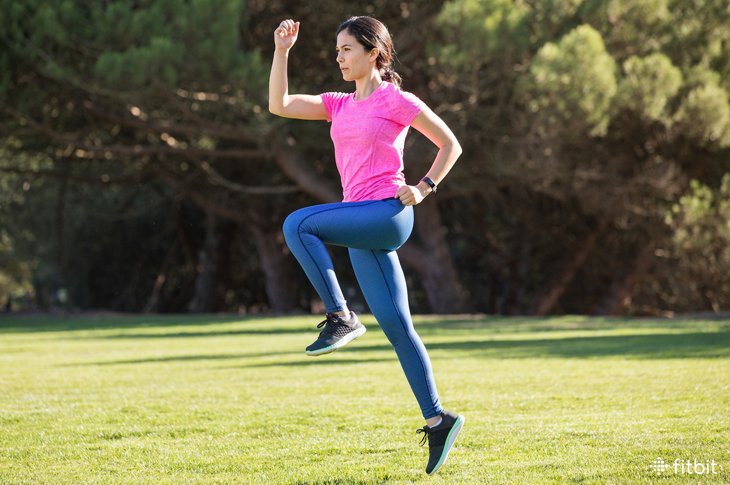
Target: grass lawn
{"x":215,"y":399}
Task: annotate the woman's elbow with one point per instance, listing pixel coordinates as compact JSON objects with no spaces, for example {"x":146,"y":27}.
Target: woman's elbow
{"x":274,"y":110}
{"x":456,"y":147}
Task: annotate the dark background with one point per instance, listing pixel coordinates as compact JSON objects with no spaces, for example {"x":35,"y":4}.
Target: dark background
{"x":140,"y":169}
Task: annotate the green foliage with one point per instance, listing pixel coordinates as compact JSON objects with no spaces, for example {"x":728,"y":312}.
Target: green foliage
{"x":575,"y":79}
{"x":108,"y":106}
{"x":704,"y":115}
{"x":667,"y":108}
{"x":137,"y":67}
{"x":698,"y":219}
{"x":125,"y":46}
{"x":700,"y":31}
{"x":21,"y":227}
{"x":629,"y":27}
{"x":15,"y":263}
{"x":477,"y":31}
{"x":700,"y":223}
{"x":648,"y":85}
{"x":161,"y":45}
{"x":550,"y":19}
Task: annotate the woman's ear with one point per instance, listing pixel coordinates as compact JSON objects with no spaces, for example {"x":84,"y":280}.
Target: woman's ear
{"x":374,"y":53}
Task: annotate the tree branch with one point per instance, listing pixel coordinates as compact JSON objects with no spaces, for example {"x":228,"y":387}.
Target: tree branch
{"x":76,"y":178}
{"x":201,"y":127}
{"x":205,"y":203}
{"x":299,"y":171}
{"x":217,"y":178}
{"x":86,"y":151}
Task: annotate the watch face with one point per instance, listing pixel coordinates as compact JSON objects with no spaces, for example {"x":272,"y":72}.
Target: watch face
{"x":430,"y":183}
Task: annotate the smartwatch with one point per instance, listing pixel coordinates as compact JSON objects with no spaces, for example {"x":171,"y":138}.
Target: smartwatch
{"x":431,"y":184}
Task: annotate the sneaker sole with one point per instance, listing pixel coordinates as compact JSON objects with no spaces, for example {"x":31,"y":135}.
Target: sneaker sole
{"x":340,"y":343}
{"x":449,"y":442}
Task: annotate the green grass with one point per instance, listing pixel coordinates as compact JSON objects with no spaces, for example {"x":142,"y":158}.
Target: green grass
{"x":213,"y":399}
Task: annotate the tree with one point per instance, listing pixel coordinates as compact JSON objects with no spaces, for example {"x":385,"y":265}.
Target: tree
{"x":168,"y":94}
{"x":582,"y":156}
{"x":119,"y":92}
{"x":583,"y":123}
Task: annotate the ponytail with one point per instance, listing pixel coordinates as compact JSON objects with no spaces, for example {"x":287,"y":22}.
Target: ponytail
{"x":388,"y":74}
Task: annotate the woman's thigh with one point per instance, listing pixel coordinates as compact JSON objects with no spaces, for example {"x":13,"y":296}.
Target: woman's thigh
{"x":377,"y":224}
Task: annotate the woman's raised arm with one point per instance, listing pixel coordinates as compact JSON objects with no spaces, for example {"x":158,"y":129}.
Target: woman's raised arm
{"x":281,"y":103}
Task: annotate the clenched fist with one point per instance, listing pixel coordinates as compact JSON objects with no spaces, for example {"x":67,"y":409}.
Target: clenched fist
{"x":286,"y":34}
{"x":409,"y":195}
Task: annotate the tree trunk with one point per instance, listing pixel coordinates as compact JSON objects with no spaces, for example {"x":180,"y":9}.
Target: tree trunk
{"x":431,"y":261}
{"x":286,"y":156}
{"x":516,"y":269}
{"x":551,"y":296}
{"x":203,"y":299}
{"x":619,"y":296}
{"x":276,"y":267}
{"x":61,"y":225}
{"x":153,"y":301}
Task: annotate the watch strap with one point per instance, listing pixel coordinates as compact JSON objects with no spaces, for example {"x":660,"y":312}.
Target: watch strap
{"x":431,"y":184}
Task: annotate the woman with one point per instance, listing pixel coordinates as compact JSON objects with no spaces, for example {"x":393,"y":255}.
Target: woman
{"x":375,"y":218}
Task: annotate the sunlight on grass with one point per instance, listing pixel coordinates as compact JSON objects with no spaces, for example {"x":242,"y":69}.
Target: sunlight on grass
{"x":209,"y":399}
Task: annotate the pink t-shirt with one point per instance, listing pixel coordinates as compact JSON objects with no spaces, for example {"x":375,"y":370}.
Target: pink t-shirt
{"x":369,"y":136}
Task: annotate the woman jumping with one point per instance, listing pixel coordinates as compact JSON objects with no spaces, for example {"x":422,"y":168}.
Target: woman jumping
{"x":375,"y":218}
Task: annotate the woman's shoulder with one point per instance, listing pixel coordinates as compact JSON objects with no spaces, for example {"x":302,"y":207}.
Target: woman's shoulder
{"x":399,"y":97}
{"x":391,"y":89}
{"x":398,"y":92}
{"x":335,"y":95}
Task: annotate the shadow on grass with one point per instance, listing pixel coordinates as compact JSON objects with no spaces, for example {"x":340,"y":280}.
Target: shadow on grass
{"x":665,"y":346}
{"x":181,"y":358}
{"x":701,"y":345}
{"x":319,"y":362}
{"x":12,"y":323}
{"x":19,"y":323}
{"x":213,"y":333}
{"x":478,"y":336}
{"x":214,"y":357}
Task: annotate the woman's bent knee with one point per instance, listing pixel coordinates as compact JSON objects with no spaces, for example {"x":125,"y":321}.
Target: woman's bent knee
{"x":291,"y":225}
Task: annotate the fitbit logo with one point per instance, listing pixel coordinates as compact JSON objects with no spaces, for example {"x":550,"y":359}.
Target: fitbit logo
{"x":685,"y":467}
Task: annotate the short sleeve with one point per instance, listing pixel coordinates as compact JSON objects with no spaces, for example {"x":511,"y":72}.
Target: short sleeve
{"x":332,"y":103}
{"x":405,"y":107}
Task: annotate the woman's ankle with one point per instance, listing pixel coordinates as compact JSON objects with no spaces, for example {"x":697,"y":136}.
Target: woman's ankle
{"x":344,"y":313}
{"x":435,"y":421}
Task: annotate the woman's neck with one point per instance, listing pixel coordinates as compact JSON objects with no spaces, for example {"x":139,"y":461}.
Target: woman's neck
{"x":366,"y":86}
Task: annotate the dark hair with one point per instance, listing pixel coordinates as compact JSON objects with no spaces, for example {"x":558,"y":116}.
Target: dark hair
{"x":371,"y":33}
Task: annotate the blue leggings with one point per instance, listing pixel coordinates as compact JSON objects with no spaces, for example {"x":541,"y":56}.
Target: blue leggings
{"x":372,"y":231}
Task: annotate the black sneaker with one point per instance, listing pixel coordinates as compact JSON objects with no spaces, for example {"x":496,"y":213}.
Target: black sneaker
{"x":337,"y":333}
{"x":440,"y":439}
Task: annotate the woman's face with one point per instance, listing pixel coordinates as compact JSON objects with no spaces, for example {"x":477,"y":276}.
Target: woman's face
{"x":354,"y":61}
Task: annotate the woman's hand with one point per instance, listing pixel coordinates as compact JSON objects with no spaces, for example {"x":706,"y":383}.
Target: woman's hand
{"x":410,"y":195}
{"x":286,"y":34}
